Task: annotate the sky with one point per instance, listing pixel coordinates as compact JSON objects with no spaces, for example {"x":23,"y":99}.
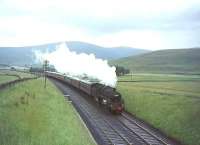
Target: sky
{"x":146,"y":24}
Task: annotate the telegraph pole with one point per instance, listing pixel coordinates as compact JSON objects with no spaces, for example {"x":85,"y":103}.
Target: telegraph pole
{"x":46,"y":62}
{"x":131,"y":76}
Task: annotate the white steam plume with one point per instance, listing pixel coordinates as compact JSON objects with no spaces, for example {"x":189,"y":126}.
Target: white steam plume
{"x":75,"y":64}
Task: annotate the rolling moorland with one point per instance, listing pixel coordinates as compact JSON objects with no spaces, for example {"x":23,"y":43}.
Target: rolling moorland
{"x":175,"y":61}
{"x":25,"y":55}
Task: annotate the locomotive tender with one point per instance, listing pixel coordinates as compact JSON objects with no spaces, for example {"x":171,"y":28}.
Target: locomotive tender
{"x":104,"y":95}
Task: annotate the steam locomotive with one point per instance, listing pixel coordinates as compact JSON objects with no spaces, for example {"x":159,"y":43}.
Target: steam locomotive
{"x":104,"y":95}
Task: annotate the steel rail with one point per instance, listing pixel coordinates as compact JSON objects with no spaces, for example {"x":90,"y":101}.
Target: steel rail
{"x":144,"y":129}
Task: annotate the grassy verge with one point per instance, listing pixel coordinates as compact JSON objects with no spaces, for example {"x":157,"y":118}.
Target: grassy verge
{"x":173,"y":107}
{"x":5,"y":78}
{"x":32,"y":115}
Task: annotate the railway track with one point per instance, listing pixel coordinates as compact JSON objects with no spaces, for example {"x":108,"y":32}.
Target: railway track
{"x":144,"y":134}
{"x":111,"y":135}
{"x":109,"y":129}
{"x":104,"y":131}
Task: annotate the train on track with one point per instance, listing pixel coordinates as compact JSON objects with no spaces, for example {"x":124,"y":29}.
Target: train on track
{"x":104,"y":95}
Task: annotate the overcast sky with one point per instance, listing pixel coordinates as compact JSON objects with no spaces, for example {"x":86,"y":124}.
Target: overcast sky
{"x":147,"y":24}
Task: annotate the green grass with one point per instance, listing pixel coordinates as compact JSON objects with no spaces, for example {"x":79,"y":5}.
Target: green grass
{"x":170,"y":103}
{"x":21,"y":74}
{"x":164,"y":61}
{"x":158,"y":77}
{"x":5,"y":78}
{"x":32,"y":115}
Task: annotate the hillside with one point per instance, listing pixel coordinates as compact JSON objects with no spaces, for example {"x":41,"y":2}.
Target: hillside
{"x":163,"y":61}
{"x":25,"y":55}
{"x":104,"y":52}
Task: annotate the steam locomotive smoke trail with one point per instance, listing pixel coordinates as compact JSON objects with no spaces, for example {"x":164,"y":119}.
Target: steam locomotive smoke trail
{"x":82,"y":64}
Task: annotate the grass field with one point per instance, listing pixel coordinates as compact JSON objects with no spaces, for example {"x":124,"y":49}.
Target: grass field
{"x":32,"y":115}
{"x":168,"y":102}
{"x":21,"y":74}
{"x":5,"y":78}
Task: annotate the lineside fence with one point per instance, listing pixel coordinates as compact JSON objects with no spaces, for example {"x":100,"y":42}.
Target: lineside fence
{"x":11,"y":83}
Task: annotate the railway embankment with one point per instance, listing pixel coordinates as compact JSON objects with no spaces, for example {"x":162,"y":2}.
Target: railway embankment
{"x":31,"y":114}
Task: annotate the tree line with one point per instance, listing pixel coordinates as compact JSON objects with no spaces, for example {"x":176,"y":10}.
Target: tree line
{"x":120,"y":70}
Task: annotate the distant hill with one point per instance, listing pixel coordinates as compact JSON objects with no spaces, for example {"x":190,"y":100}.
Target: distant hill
{"x":163,"y":61}
{"x":104,"y":52}
{"x":25,"y":55}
